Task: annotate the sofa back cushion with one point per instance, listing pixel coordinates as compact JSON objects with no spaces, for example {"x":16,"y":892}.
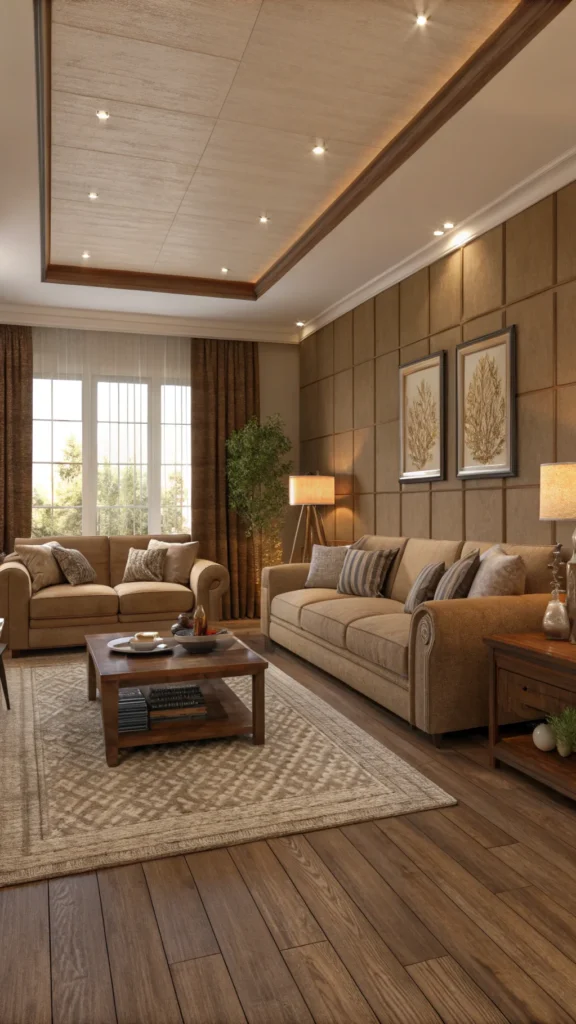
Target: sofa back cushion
{"x":120,"y":546}
{"x":373,"y":542}
{"x":535,"y":558}
{"x":418,"y":553}
{"x":95,"y":549}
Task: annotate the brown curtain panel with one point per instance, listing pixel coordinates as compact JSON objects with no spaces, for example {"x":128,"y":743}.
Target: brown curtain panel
{"x":15,"y":434}
{"x":225,"y":394}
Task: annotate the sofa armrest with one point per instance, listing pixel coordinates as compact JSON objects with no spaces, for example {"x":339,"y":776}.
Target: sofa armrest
{"x":449,"y":661}
{"x":15,"y":594}
{"x":209,"y":581}
{"x":279,"y":579}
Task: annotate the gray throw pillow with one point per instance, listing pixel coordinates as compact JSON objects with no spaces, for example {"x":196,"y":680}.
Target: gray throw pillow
{"x":74,"y":565}
{"x":325,"y":566}
{"x":424,"y":586}
{"x":364,"y":572}
{"x":145,"y":565}
{"x":180,"y":559}
{"x":499,"y":575}
{"x":457,"y":580}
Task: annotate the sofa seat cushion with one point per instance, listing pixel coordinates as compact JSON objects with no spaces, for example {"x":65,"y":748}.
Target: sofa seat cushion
{"x":288,"y":607}
{"x":329,"y":620}
{"x":154,"y":597}
{"x":382,"y":640}
{"x":87,"y":600}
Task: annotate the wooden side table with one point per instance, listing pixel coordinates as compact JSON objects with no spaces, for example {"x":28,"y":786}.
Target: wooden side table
{"x":531,"y":677}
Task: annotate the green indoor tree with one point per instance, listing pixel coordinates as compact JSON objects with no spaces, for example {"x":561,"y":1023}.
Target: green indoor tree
{"x":257,"y":467}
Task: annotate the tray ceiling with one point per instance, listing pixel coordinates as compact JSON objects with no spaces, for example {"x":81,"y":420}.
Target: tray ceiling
{"x":214,"y":108}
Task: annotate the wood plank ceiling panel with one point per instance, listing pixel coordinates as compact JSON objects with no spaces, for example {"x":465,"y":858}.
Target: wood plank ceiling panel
{"x":214,"y":108}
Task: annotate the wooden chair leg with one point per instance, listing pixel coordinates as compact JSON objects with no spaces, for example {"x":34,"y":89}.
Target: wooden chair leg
{"x":4,"y":684}
{"x":437,"y":739}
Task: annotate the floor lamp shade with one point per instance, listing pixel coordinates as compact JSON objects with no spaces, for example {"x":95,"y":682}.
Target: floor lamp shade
{"x":311,"y":490}
{"x":558,"y":501}
{"x":308,"y":492}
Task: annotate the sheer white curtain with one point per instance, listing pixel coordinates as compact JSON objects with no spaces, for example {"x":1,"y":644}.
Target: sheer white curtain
{"x":112,"y":435}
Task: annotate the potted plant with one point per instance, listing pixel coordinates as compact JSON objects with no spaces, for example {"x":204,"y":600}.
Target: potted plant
{"x":257,"y":468}
{"x":564,"y":728}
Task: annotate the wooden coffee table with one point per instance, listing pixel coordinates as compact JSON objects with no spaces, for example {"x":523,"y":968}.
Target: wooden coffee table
{"x":227,"y":715}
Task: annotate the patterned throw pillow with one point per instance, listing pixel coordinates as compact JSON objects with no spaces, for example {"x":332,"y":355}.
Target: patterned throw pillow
{"x":499,"y":575}
{"x":364,"y":572}
{"x":424,"y":586}
{"x":145,"y":566}
{"x":457,"y":580}
{"x":74,"y":565}
{"x":325,"y":566}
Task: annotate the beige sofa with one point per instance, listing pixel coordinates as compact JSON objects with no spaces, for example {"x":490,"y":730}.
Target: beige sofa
{"x":431,"y":668}
{"x":62,"y":615}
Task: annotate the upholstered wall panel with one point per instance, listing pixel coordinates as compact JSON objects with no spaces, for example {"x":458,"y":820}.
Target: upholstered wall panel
{"x":523,"y":273}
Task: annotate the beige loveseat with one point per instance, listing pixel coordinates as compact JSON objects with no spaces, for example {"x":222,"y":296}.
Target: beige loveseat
{"x":60,"y":616}
{"x":431,"y":668}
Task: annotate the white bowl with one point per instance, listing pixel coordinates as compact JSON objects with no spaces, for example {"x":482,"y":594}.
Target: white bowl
{"x":144,"y":645}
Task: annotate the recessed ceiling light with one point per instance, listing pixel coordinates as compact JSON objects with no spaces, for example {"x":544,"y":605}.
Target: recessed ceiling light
{"x":448,"y":225}
{"x":102,"y":115}
{"x":264,"y":219}
{"x":421,"y":19}
{"x":85,"y":255}
{"x":438,"y":233}
{"x":224,"y":270}
{"x":92,"y":195}
{"x":319,"y":148}
{"x":299,"y":323}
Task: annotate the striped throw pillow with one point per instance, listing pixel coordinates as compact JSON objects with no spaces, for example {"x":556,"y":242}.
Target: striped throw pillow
{"x":424,"y":586}
{"x":364,"y":572}
{"x":458,"y":579}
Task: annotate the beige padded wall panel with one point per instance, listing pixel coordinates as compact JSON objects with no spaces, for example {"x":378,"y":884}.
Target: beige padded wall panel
{"x":387,"y":513}
{"x":308,"y":360}
{"x":325,"y":354}
{"x":566,"y":328}
{"x":534,"y":319}
{"x":344,"y":401}
{"x":364,"y":482}
{"x":522,"y":515}
{"x":484,"y":514}
{"x":363,"y":331}
{"x":387,"y":389}
{"x":387,"y":320}
{"x":364,"y":514}
{"x":364,"y":394}
{"x":566,"y":424}
{"x":446,"y":292}
{"x":482,"y":325}
{"x":482,"y":268}
{"x":535,"y":436}
{"x":415,"y":513}
{"x":530,"y":250}
{"x":566,"y":232}
{"x":447,"y":515}
{"x":344,"y":462}
{"x":414,"y":308}
{"x":343,"y":345}
{"x":387,"y":457}
{"x":325,"y":410}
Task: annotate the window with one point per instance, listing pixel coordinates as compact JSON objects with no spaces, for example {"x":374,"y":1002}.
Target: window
{"x":57,"y":457}
{"x":176,"y":469}
{"x":111,"y":456}
{"x":122,"y":498}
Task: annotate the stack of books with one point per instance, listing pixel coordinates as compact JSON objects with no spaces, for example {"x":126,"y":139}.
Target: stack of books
{"x":175,"y":705}
{"x":132,"y":710}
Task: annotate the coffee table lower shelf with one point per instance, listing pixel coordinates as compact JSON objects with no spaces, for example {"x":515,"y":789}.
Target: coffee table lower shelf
{"x":544,"y":766}
{"x":227,"y":716}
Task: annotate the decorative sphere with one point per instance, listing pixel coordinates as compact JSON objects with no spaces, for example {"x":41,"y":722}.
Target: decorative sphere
{"x":544,"y":737}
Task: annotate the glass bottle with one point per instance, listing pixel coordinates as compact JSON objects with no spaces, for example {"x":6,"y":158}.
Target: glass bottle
{"x":199,"y":621}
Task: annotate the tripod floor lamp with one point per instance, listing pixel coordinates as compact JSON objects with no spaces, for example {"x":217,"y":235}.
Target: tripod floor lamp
{"x":309,"y":492}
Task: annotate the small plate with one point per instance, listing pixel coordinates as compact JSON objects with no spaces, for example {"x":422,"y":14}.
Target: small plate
{"x":122,"y":646}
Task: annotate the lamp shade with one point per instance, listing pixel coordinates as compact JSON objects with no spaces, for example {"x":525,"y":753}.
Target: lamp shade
{"x":558,"y":490}
{"x":311,"y":490}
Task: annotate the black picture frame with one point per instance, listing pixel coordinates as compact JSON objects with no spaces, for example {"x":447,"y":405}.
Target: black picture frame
{"x":467,"y":469}
{"x":432,"y":361}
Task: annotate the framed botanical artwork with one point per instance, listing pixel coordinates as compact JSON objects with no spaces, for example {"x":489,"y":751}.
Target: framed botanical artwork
{"x":422,"y":443}
{"x":486,"y":406}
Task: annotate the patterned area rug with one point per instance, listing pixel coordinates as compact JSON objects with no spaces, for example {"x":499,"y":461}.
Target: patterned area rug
{"x":63,"y":810}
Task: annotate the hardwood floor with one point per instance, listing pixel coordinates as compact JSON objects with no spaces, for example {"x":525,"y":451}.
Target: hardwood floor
{"x":465,"y":915}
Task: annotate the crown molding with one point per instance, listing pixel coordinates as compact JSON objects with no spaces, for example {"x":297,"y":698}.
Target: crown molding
{"x":142,"y":323}
{"x":542,"y":183}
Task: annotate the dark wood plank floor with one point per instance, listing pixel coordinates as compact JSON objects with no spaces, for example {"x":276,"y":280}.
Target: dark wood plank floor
{"x":465,"y":915}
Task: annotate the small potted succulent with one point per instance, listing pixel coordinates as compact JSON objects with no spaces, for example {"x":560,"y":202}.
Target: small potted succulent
{"x":564,"y":728}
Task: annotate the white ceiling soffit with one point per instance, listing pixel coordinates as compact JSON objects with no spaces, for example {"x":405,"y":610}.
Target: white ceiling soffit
{"x":469,"y":172}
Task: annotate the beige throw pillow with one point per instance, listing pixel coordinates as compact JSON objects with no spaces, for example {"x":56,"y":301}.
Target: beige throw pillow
{"x":144,"y":566}
{"x":41,"y":564}
{"x":74,"y":565}
{"x":179,"y":559}
{"x":499,"y":575}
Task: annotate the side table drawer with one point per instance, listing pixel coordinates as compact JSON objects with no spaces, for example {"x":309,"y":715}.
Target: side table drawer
{"x":530,"y":698}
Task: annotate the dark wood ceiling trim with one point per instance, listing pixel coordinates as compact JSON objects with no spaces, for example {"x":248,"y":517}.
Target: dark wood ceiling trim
{"x":141,"y":282}
{"x":521,"y":26}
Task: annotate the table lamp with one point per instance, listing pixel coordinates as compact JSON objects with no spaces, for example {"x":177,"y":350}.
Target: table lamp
{"x":558,"y":501}
{"x":309,"y":492}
